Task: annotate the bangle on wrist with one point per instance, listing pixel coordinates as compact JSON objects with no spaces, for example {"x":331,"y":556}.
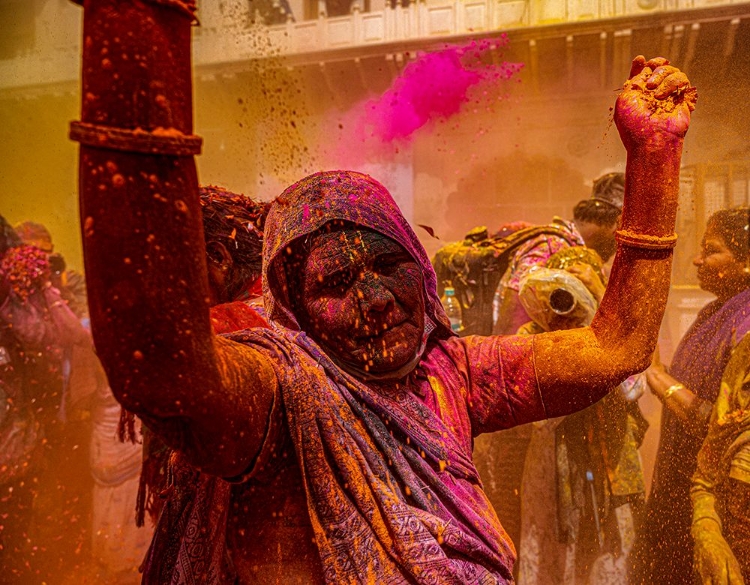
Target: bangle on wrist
{"x":645,"y":241}
{"x":671,"y":390}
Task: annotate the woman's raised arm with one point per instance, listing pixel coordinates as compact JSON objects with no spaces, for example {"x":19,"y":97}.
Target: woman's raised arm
{"x":143,"y":239}
{"x":576,"y":367}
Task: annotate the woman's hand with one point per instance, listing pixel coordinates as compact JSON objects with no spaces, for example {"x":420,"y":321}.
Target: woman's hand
{"x":588,"y":276}
{"x":655,"y":375}
{"x":654,"y":106}
{"x":656,"y":363}
{"x":713,"y":559}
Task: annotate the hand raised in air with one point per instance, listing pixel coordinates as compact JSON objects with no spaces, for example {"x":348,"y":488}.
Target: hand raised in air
{"x":654,"y":106}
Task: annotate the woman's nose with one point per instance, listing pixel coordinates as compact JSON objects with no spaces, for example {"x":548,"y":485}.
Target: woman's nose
{"x":698,"y":260}
{"x":373,"y":295}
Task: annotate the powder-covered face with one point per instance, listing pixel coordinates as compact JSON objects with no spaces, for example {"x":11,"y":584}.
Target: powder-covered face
{"x":719,"y":271}
{"x":362,"y":299}
{"x":599,"y":237}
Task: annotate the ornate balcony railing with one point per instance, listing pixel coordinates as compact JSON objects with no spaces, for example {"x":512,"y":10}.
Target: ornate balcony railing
{"x":228,"y":37}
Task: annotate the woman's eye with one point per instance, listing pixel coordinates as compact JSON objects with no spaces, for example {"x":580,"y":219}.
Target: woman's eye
{"x":335,"y":281}
{"x":388,"y":265}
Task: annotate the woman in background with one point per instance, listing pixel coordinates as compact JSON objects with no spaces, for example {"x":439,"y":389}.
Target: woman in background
{"x":44,"y":500}
{"x":688,"y":390}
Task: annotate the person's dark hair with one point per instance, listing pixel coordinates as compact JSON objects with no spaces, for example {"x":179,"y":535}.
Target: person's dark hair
{"x":8,"y":236}
{"x":605,"y":204}
{"x":236,"y":222}
{"x":596,"y":212}
{"x":610,"y":189}
{"x":733,"y":227}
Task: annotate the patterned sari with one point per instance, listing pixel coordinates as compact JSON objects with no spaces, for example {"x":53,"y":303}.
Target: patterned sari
{"x":392,"y":492}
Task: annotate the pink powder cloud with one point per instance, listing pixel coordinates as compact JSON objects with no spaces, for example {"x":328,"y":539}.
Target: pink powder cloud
{"x":434,"y":86}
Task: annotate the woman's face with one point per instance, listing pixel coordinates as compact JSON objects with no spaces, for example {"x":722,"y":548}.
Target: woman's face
{"x":719,"y":271}
{"x":362,"y":299}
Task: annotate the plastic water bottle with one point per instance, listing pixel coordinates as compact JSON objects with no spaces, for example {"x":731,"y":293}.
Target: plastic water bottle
{"x":452,"y":309}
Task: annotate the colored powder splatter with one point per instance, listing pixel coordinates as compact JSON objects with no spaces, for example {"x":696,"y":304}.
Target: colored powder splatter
{"x":434,"y":86}
{"x":25,"y":268}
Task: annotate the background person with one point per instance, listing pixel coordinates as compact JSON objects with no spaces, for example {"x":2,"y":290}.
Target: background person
{"x":688,"y":390}
{"x":721,"y":483}
{"x":51,"y":462}
{"x":20,"y":434}
{"x":70,"y":283}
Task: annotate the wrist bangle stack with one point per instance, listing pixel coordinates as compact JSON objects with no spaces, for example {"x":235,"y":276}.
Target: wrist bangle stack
{"x":671,"y":390}
{"x":646,"y":241}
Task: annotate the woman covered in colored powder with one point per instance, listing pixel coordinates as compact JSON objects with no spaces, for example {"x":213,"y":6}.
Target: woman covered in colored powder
{"x":688,"y":390}
{"x":359,"y":405}
{"x":42,"y":411}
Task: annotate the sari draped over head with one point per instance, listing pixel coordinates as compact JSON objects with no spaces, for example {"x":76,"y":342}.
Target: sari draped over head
{"x":379,"y":467}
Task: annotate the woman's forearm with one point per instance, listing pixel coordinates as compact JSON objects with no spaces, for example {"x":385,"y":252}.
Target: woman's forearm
{"x":652,"y":116}
{"x":143,"y":236}
{"x":624,"y":332}
{"x":578,"y":367}
{"x":627,"y":323}
{"x":140,"y":215}
{"x":679,"y":399}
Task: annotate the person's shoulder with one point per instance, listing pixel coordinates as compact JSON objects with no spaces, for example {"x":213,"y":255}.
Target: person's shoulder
{"x":742,"y":328}
{"x":235,"y":316}
{"x":558,"y":234}
{"x":568,"y":231}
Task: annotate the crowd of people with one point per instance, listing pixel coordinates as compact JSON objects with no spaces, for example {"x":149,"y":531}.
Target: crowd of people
{"x":61,"y":422}
{"x":588,"y":462}
{"x":671,"y":537}
{"x":281,"y":397}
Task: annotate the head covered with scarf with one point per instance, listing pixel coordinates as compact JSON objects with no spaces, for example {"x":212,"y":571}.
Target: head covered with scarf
{"x":391,"y":490}
{"x":331,"y":200}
